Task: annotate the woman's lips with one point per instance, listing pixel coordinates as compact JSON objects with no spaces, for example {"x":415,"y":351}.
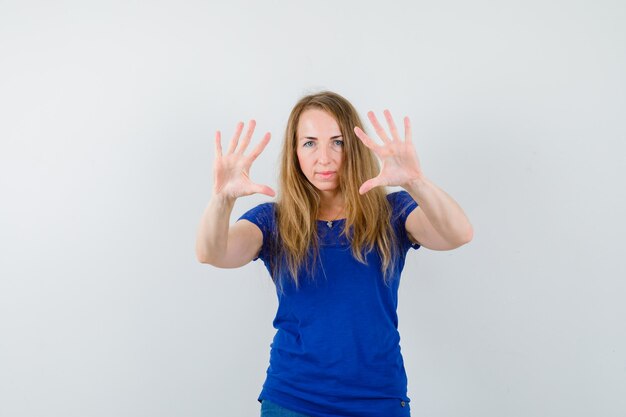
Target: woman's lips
{"x":326,"y":174}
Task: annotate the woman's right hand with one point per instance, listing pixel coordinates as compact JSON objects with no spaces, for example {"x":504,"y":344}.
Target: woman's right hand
{"x":231,"y":170}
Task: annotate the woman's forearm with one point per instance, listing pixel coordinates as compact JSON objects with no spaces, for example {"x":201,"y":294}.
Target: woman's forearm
{"x":212,"y":237}
{"x":445,"y":214}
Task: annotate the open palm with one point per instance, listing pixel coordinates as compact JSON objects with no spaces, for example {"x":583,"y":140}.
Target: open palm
{"x":231,"y":170}
{"x":400,"y":163}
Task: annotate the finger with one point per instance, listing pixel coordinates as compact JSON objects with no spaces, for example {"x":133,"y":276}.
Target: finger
{"x":379,"y":129}
{"x":408,"y":134}
{"x":367,"y":141}
{"x":259,"y":148}
{"x":392,"y":125}
{"x":368,"y":185}
{"x":218,"y":144}
{"x":235,"y":138}
{"x":246,"y":139}
{"x":263,"y":189}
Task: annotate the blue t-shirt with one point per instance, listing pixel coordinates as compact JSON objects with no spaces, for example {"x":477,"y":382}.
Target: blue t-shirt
{"x":336,"y":351}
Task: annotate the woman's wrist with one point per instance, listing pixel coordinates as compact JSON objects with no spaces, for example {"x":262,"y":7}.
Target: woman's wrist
{"x":223,"y":199}
{"x":416,"y":184}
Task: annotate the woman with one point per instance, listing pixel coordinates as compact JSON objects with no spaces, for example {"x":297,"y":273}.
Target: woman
{"x":334,"y":243}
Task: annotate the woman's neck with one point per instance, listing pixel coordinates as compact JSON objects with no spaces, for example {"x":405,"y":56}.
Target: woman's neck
{"x":331,"y":206}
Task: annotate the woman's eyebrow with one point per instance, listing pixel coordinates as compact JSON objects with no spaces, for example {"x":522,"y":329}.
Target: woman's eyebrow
{"x":314,"y":138}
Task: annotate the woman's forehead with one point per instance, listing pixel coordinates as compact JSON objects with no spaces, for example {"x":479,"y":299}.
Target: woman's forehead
{"x":317,"y":122}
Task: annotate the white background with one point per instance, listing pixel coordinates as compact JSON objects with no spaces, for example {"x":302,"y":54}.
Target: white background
{"x":107,"y":117}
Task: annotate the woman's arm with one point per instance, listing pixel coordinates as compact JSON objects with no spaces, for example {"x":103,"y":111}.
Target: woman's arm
{"x":438,"y":222}
{"x":218,"y":243}
{"x":225,"y":246}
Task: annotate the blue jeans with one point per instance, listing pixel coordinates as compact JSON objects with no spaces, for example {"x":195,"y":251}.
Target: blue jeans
{"x":270,"y":409}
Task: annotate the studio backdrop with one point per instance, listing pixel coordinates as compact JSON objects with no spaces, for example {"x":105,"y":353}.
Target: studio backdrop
{"x":108,"y":111}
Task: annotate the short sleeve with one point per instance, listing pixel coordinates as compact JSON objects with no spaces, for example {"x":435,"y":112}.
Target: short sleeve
{"x":402,"y":204}
{"x":263,"y":217}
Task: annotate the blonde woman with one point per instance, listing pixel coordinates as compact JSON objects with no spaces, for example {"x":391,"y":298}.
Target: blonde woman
{"x":334,"y":243}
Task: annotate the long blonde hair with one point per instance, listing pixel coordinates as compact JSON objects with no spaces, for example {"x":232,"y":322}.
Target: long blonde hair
{"x":297,"y":206}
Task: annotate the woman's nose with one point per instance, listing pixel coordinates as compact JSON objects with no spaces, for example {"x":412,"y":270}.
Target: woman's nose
{"x":323,"y":155}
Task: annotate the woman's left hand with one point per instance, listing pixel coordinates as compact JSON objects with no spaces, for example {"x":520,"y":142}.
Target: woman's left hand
{"x":400,"y":164}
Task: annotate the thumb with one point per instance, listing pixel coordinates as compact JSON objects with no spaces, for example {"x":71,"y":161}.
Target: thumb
{"x":263,"y":189}
{"x":368,"y":185}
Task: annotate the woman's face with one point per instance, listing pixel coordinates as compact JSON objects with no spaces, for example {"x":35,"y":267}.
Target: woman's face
{"x":319,"y":146}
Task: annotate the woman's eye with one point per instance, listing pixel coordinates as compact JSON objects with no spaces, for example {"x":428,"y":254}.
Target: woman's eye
{"x":339,"y":142}
{"x":307,"y":144}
